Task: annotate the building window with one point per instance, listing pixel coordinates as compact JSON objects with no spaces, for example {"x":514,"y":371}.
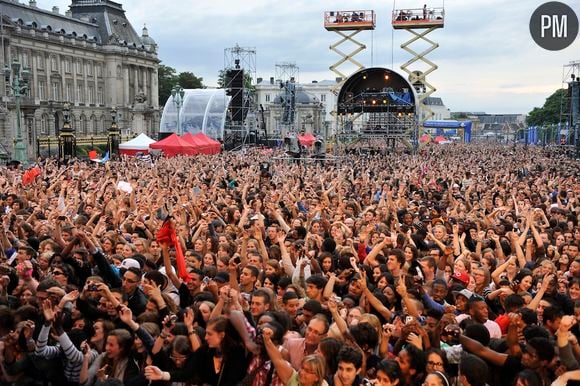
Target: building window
{"x":55,"y":91}
{"x":40,"y":62}
{"x":44,"y":125}
{"x":69,"y":92}
{"x":80,"y":94}
{"x":67,"y":66}
{"x":25,"y":60}
{"x":79,"y":67}
{"x":323,"y":97}
{"x":267,"y":97}
{"x":89,"y":68}
{"x":53,"y":63}
{"x":100,"y":96}
{"x":99,"y":70}
{"x":41,"y":90}
{"x":90,"y":95}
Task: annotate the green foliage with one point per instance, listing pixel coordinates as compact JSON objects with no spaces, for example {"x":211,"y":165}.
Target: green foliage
{"x":168,"y":78}
{"x":554,"y":109}
{"x":187,"y":80}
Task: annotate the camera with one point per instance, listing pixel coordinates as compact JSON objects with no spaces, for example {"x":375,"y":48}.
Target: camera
{"x":93,"y":287}
{"x":62,"y":218}
{"x":171,"y":321}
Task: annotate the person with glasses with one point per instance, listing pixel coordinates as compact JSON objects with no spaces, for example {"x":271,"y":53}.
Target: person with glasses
{"x":298,"y":348}
{"x":436,"y":361}
{"x":132,"y":292}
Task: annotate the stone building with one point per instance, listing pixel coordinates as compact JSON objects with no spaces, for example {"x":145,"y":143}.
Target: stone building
{"x":90,"y":57}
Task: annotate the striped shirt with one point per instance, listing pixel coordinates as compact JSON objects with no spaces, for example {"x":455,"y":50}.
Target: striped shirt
{"x":71,"y":357}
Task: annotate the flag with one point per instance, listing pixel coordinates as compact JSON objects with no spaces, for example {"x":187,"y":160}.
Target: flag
{"x":30,"y":175}
{"x":167,"y":234}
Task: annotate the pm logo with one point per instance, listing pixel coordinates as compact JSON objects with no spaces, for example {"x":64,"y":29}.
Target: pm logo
{"x":554,"y":26}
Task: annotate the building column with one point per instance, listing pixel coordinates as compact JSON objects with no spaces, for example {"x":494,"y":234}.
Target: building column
{"x":126,"y":85}
{"x":145,"y":85}
{"x":136,"y":83}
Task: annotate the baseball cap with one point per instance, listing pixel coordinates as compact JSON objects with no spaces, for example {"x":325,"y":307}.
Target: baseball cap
{"x":464,"y":292}
{"x":222,"y":277}
{"x":130,"y":263}
{"x":461,"y":276}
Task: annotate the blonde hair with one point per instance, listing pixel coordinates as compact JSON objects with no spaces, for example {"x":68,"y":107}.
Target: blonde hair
{"x":319,"y":366}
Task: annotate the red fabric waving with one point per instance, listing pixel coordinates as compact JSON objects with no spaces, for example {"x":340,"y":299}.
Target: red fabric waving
{"x":167,"y":234}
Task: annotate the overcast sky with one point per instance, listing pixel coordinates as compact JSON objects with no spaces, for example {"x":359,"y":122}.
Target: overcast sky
{"x":487,"y":59}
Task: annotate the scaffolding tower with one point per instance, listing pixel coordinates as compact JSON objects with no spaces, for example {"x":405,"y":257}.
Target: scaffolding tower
{"x":241,"y":120}
{"x":569,"y":122}
{"x":287,"y":75}
{"x":419,"y":23}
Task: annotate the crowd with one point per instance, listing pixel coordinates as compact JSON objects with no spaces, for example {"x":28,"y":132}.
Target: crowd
{"x":458,"y":265}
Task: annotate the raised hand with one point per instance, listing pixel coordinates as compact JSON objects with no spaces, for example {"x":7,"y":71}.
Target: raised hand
{"x":48,"y":311}
{"x":188,"y":318}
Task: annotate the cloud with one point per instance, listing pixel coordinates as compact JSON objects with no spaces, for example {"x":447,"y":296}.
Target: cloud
{"x":487,"y":60}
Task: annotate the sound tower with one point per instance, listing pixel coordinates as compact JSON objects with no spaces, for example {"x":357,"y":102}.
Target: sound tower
{"x":235,"y":87}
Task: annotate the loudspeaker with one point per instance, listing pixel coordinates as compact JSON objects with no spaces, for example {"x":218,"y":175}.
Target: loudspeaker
{"x":236,"y":91}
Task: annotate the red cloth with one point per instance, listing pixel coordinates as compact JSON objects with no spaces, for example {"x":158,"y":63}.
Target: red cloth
{"x":29,"y":175}
{"x":167,"y":234}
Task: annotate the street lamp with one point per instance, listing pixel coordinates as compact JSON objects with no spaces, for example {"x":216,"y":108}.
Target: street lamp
{"x":114,"y":135}
{"x":178,"y":96}
{"x":19,"y":87}
{"x":66,"y":137}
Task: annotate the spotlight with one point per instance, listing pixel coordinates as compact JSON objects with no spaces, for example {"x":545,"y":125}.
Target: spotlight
{"x":386,"y":77}
{"x":374,"y":102}
{"x":384,"y":101}
{"x":364,"y":76}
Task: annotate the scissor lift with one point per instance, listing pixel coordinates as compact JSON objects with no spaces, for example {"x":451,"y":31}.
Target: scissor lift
{"x":347,"y":24}
{"x":426,"y":20}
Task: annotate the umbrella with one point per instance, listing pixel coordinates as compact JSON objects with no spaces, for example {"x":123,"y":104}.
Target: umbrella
{"x":425,"y":138}
{"x":439,"y":139}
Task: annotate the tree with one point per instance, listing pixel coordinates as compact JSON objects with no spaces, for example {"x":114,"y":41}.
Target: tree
{"x":188,"y":80}
{"x":167,"y":79}
{"x":555,"y":108}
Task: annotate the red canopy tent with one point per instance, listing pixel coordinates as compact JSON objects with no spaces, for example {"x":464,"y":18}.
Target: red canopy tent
{"x":439,"y":139}
{"x":214,"y":146}
{"x":173,"y":145}
{"x":306,"y":139}
{"x":425,"y":138}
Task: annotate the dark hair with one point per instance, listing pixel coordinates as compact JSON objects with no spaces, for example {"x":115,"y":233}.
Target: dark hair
{"x":551,"y":313}
{"x":349,"y":354}
{"x":416,"y":359}
{"x":289,"y":295}
{"x":313,"y":306}
{"x":261,"y":293}
{"x":329,"y":347}
{"x":530,"y":377}
{"x":231,"y":337}
{"x":398,"y":254}
{"x":391,"y":368}
{"x":474,"y":369}
{"x":544,"y":349}
{"x":317,"y":280}
{"x":365,"y":335}
{"x":478,"y":332}
{"x":254,"y":271}
{"x":513,"y":302}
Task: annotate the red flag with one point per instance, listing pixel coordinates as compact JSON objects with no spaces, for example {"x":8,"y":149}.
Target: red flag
{"x":167,"y":234}
{"x":29,"y":175}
